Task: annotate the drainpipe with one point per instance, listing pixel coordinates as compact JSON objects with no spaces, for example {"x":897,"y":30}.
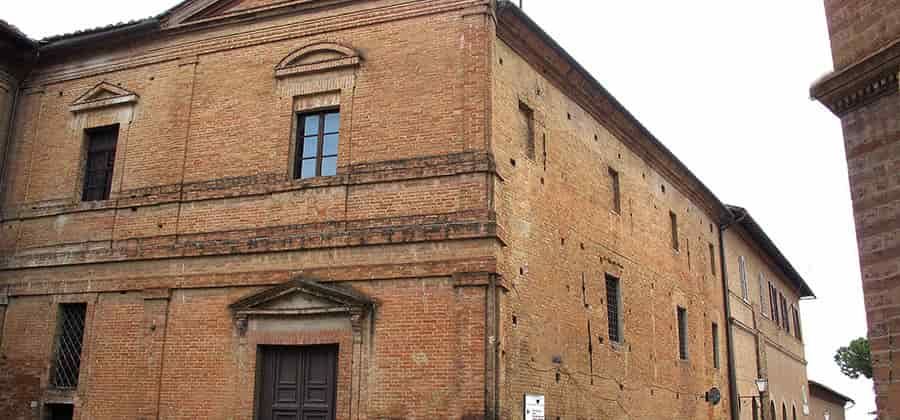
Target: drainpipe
{"x":8,"y":139}
{"x":734,"y":398}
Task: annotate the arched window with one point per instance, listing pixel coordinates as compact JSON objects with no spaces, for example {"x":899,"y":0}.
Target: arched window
{"x":794,"y":411}
{"x":755,"y":410}
{"x":774,"y":414}
{"x":784,"y":412}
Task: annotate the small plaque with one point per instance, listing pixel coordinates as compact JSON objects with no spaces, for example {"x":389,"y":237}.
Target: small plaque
{"x":534,"y":407}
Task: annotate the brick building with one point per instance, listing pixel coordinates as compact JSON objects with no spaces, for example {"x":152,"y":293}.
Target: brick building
{"x":826,"y":403}
{"x":764,"y":302}
{"x":346,"y":209}
{"x":863,"y":91}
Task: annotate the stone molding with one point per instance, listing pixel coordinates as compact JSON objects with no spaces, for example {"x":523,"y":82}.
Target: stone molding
{"x":860,"y":83}
{"x":412,"y":229}
{"x":261,"y":184}
{"x":103,"y":95}
{"x":248,"y":38}
{"x":334,"y":57}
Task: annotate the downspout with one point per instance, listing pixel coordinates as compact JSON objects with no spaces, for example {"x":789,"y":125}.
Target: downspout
{"x":733,"y":397}
{"x":8,"y":139}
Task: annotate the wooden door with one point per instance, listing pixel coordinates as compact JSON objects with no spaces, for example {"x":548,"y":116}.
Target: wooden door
{"x":297,"y":383}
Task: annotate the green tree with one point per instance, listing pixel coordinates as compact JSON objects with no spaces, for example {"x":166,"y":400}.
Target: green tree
{"x":856,"y":359}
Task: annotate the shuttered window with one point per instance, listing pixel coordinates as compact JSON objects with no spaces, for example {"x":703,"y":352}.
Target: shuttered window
{"x":762,"y":295}
{"x":742,"y":267}
{"x":317,"y":144}
{"x":773,"y":303}
{"x":797,"y":332}
{"x":100,"y":159}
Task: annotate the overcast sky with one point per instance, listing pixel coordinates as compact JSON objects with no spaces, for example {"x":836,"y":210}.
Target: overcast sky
{"x":724,"y":84}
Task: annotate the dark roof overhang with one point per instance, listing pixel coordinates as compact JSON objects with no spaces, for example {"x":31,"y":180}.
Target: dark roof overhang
{"x":761,"y":239}
{"x":827,"y":390}
{"x":575,"y":80}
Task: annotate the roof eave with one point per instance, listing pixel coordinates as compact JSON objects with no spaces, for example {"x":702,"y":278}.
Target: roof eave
{"x":506,"y":6}
{"x":743,"y":217}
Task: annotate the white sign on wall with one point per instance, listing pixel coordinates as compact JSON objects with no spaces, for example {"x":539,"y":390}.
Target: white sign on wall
{"x":534,"y":407}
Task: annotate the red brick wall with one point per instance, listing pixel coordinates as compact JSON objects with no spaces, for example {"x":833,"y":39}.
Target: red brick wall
{"x":203,"y":211}
{"x":564,"y":237}
{"x":873,"y":155}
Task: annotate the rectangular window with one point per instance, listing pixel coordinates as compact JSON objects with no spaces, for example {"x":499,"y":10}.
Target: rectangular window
{"x":528,"y":114}
{"x":773,"y":303}
{"x":613,"y":308}
{"x":742,"y":268}
{"x":616,"y":192}
{"x":673,"y":221}
{"x":715,"y":345}
{"x":69,"y":339}
{"x":682,"y":334}
{"x":317,"y":144}
{"x":797,"y":332}
{"x":712,"y":259}
{"x":762,"y":295}
{"x":785,"y":320}
{"x":98,"y":166}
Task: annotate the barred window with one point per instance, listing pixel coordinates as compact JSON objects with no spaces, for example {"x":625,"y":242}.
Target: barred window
{"x":528,"y":115}
{"x":682,"y":334}
{"x":616,"y":193}
{"x":98,"y":167}
{"x":673,"y":221}
{"x":317,"y":144}
{"x":613,"y":308}
{"x":69,"y":339}
{"x":715,"y":345}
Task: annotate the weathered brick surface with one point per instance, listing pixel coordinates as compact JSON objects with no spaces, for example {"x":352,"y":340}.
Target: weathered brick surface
{"x":864,"y":39}
{"x":440,"y":214}
{"x":860,"y":27}
{"x":563,"y":239}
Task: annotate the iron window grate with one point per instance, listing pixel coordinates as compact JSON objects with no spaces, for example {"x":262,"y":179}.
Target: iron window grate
{"x":682,"y":334}
{"x":68,"y":346}
{"x":612,"y":308}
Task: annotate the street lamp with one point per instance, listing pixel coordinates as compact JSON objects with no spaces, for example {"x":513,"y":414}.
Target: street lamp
{"x":762,"y":384}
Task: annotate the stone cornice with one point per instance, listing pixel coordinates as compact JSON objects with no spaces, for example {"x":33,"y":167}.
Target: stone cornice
{"x":302,"y":28}
{"x":860,"y":83}
{"x":339,"y":234}
{"x":262,"y":184}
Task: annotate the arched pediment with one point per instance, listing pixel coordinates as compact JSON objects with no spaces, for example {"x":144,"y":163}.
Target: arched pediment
{"x":315,"y":58}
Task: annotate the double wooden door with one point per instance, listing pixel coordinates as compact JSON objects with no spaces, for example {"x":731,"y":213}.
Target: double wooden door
{"x":297,"y":383}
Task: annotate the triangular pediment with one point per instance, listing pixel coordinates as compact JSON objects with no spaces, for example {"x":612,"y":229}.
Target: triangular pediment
{"x":102,"y":95}
{"x":302,"y":296}
{"x":192,"y":11}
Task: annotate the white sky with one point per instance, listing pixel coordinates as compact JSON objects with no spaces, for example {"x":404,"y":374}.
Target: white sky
{"x":724,"y":84}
